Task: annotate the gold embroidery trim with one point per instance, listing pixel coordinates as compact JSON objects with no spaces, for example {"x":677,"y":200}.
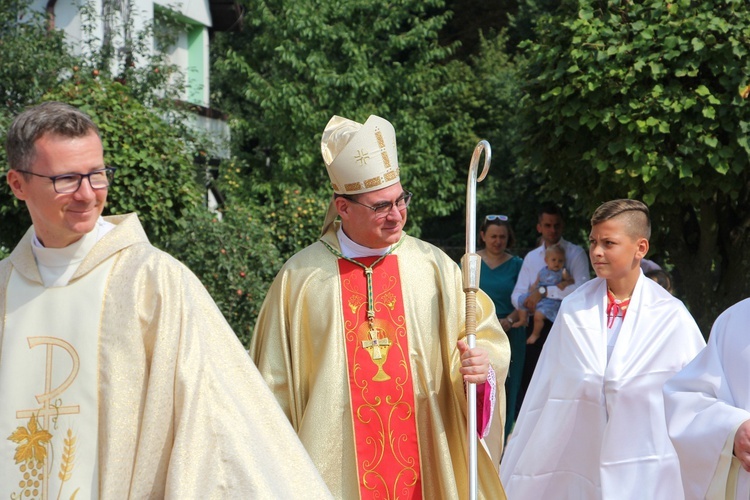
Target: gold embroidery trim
{"x":379,"y":138}
{"x":386,"y":160}
{"x":375,"y":181}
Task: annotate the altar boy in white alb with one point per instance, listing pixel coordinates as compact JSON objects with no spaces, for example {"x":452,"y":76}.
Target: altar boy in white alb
{"x":119,"y":377}
{"x":592,"y":424}
{"x":708,"y":411}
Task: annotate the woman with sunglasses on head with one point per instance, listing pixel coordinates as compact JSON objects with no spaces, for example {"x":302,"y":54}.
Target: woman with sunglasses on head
{"x":497,"y":278}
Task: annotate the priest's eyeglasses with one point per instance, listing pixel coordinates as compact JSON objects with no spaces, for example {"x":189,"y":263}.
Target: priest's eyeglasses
{"x":384,"y":208}
{"x":70,"y":183}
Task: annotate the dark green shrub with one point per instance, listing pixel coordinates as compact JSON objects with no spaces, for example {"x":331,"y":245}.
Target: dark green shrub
{"x":233,"y":257}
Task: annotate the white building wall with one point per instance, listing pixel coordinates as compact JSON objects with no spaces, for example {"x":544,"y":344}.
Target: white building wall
{"x":69,"y":18}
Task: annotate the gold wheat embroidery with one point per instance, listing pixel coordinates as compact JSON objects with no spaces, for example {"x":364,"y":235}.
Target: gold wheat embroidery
{"x":68,"y":459}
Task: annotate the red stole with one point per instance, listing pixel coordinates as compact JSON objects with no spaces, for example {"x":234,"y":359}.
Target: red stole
{"x":380,"y":382}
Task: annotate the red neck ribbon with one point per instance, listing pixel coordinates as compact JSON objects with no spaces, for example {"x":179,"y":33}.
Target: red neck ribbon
{"x":615,"y":308}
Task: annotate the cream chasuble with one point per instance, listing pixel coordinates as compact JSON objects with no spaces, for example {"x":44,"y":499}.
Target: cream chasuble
{"x":706,"y":403}
{"x":138,"y":386}
{"x":300,"y":348}
{"x":592,"y":428}
{"x":49,"y":374}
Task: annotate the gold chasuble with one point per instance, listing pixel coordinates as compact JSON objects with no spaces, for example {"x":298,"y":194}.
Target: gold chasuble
{"x":380,"y":405}
{"x":380,"y":382}
{"x":127,"y":383}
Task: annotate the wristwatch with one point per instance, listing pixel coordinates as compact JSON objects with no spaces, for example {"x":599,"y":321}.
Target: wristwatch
{"x":542,"y":290}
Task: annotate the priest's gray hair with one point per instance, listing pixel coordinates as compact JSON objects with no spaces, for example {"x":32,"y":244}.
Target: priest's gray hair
{"x":634,"y":212}
{"x":49,"y":117}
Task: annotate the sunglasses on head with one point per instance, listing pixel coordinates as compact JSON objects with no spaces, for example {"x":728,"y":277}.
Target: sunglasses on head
{"x":503,"y":218}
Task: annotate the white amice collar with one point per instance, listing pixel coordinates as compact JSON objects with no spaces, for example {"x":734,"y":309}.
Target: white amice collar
{"x":353,"y":250}
{"x":57,"y":265}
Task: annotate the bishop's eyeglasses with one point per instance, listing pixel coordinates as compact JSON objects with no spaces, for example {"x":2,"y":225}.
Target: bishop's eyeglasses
{"x":70,"y":183}
{"x":384,"y":208}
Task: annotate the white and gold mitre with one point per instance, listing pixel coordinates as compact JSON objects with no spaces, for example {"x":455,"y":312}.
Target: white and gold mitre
{"x":360,"y":158}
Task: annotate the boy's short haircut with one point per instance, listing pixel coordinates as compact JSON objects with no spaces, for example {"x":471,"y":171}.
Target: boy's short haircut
{"x":557,"y":248}
{"x":634,"y":212}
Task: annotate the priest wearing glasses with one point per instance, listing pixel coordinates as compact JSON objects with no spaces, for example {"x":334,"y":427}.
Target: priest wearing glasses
{"x":361,"y":339}
{"x":119,"y":377}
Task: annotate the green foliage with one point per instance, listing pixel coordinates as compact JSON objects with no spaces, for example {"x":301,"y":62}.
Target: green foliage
{"x":234,"y":258}
{"x":293,"y":214}
{"x":658,"y":105}
{"x":236,"y":255}
{"x":295,"y":66}
{"x":32,"y":56}
{"x":640,"y":99}
{"x":505,"y":190}
{"x":470,"y":19}
{"x":494,"y":104}
{"x":523,"y":21}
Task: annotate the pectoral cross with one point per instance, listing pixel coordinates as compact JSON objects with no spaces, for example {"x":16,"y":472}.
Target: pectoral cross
{"x":374,"y":344}
{"x":378,"y":356}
